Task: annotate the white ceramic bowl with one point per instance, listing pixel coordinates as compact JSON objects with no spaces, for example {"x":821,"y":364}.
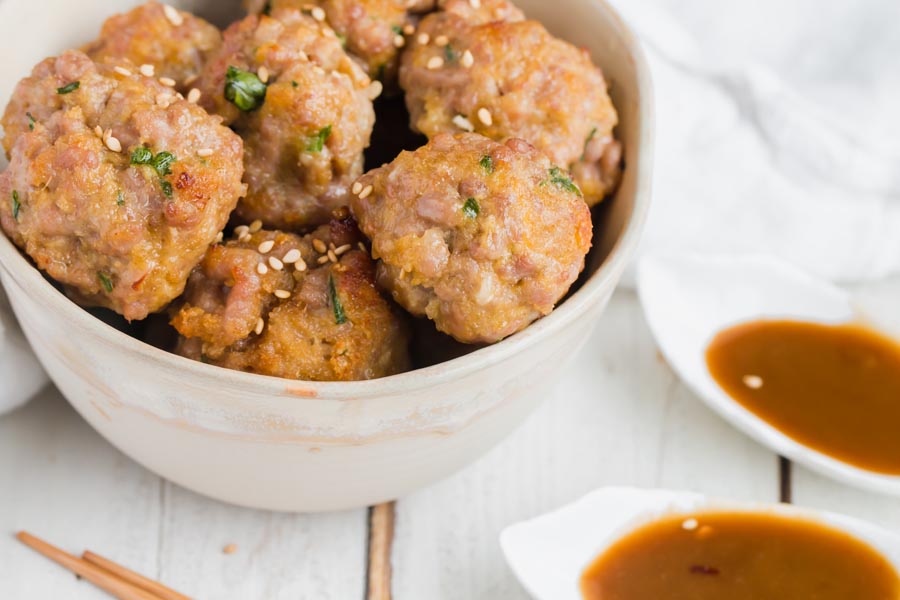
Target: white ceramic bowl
{"x":299,"y":446}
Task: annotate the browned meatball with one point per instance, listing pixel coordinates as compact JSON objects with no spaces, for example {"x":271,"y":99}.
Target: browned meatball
{"x":175,"y":43}
{"x":513,"y":79}
{"x":371,"y":29}
{"x":265,"y":304}
{"x":476,"y":12}
{"x":304,"y":109}
{"x":481,"y":237}
{"x":115,"y":187}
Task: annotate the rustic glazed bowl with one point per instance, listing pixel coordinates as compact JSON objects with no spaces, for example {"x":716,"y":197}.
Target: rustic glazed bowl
{"x":300,"y":446}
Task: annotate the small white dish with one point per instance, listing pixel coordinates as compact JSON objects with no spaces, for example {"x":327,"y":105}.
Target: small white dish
{"x":688,"y":299}
{"x":549,"y":553}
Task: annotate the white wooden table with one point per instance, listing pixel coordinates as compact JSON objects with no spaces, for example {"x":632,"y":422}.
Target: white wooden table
{"x":619,"y":416}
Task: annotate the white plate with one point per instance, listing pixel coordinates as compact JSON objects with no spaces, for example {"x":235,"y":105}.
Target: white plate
{"x":689,"y":299}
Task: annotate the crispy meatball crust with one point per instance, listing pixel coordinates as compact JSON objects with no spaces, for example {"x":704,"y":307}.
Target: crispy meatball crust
{"x":304,"y":145}
{"x":513,"y":79}
{"x":481,"y":237}
{"x":303,"y":321}
{"x":116,"y":234}
{"x":370,"y":28}
{"x":174,"y":42}
{"x":482,"y":11}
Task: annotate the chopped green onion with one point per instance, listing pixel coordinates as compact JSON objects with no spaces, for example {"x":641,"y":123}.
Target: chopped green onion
{"x":31,"y":121}
{"x":397,"y":29}
{"x":141,"y":156}
{"x":470,"y":208}
{"x":318,"y":141}
{"x":588,"y":141}
{"x":295,"y":84}
{"x":105,"y":281}
{"x":244,"y":89}
{"x":339,"y":316}
{"x":120,"y":199}
{"x":16,"y":205}
{"x":162,"y":161}
{"x":487,"y":163}
{"x":166,"y":187}
{"x":449,"y":53}
{"x":67,"y":89}
{"x":559,"y":178}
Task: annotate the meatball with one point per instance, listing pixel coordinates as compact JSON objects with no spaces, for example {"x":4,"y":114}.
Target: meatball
{"x":477,"y":12}
{"x":513,"y":79}
{"x":481,"y":237}
{"x":371,"y":29}
{"x":175,"y":43}
{"x":115,"y":186}
{"x":304,"y":109}
{"x":265,"y":303}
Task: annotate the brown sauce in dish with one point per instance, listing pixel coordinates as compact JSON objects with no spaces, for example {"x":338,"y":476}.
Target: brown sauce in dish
{"x":739,"y":556}
{"x":833,"y":388}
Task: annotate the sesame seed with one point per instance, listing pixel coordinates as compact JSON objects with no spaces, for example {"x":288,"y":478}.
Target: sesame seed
{"x":399,"y":41}
{"x":322,"y":260}
{"x":275,"y":263}
{"x":463,"y":123}
{"x":191,"y":79}
{"x":99,"y":131}
{"x":302,"y":55}
{"x":408,"y":29}
{"x":122,"y":71}
{"x":219,"y":237}
{"x":266,"y":246}
{"x":255,"y":226}
{"x":442,"y":40}
{"x":260,"y":325}
{"x":204,"y":152}
{"x":332,"y":256}
{"x":754,"y":382}
{"x":357,"y":188}
{"x":467,"y":59}
{"x":263,"y":74}
{"x":689,"y":524}
{"x":262,"y":269}
{"x":283,"y":294}
{"x":193,"y":96}
{"x":292,"y":256}
{"x":423,"y":38}
{"x":320,"y":246}
{"x":241,"y":230}
{"x":484,"y":115}
{"x":374,"y":90}
{"x":173,"y":15}
{"x":365,"y":193}
{"x":317,"y":13}
{"x":113,"y":143}
{"x":435,"y":62}
{"x":163,"y":99}
{"x":300,"y":265}
{"x":361,"y":246}
{"x":331,"y":245}
{"x":341,"y":249}
{"x":147,"y":70}
{"x":476,"y":4}
{"x":244,"y":237}
{"x":167,"y":81}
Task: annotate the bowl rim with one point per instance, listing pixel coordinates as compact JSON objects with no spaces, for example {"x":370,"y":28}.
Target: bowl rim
{"x":29,"y":278}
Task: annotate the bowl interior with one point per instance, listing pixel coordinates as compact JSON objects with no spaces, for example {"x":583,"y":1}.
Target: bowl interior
{"x":617,"y":222}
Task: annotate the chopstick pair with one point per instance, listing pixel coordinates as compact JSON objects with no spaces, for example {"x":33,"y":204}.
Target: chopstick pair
{"x":113,"y":578}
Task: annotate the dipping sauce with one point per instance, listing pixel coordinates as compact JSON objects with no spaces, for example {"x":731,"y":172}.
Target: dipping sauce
{"x":739,"y":556}
{"x":835,"y":389}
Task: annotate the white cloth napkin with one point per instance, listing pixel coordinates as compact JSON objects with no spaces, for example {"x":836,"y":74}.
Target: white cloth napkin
{"x":778,"y":130}
{"x":20,"y":373}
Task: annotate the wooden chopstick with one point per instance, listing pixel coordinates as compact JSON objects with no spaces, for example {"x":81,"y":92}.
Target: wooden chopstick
{"x":102,"y":578}
{"x":381,"y":537}
{"x":136,"y":579}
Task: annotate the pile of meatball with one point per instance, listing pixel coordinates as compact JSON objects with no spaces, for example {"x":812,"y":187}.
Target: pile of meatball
{"x":218,"y":177}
